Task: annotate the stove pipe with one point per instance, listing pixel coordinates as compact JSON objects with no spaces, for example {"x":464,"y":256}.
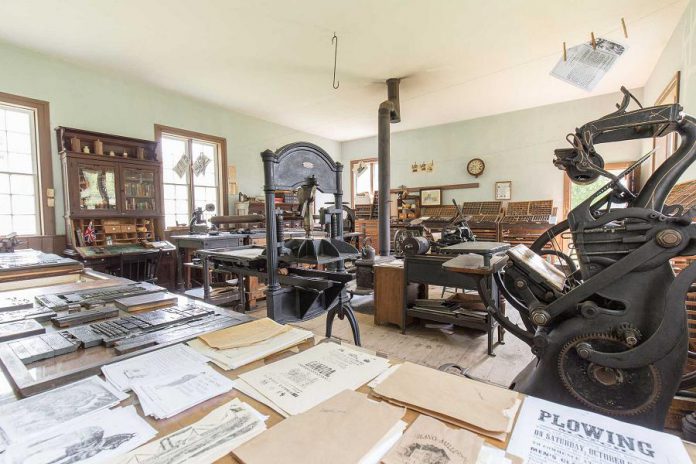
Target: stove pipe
{"x":389,"y":112}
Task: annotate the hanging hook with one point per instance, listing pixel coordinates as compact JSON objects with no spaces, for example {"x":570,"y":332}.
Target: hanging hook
{"x":334,"y":40}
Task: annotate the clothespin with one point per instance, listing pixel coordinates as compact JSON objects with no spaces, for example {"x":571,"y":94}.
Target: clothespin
{"x":594,"y":42}
{"x":565,"y":53}
{"x":623,"y":26}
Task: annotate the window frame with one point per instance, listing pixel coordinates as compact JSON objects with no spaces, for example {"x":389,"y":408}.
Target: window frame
{"x":44,"y":163}
{"x":221,"y":143}
{"x":353,"y":163}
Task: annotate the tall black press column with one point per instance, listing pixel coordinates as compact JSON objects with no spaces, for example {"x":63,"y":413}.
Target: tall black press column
{"x":273,"y":286}
{"x":389,"y":113}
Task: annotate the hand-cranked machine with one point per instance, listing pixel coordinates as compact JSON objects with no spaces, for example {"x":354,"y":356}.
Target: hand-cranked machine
{"x":296,"y":292}
{"x":610,"y":334}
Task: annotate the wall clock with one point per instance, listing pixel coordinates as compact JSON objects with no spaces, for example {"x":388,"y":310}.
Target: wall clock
{"x":475,"y":167}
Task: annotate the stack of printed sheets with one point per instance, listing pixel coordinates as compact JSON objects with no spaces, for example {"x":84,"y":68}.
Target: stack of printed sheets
{"x":243,"y":344}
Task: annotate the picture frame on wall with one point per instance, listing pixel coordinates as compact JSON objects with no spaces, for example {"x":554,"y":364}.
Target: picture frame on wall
{"x":503,"y":190}
{"x":431,"y":197}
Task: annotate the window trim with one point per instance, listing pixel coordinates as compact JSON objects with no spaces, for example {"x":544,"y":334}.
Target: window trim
{"x":352,"y":177}
{"x":221,"y":142}
{"x":47,"y":217}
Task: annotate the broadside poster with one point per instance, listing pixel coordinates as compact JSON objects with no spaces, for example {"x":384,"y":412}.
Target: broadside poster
{"x":182,"y":165}
{"x":586,"y":66}
{"x":548,"y":432}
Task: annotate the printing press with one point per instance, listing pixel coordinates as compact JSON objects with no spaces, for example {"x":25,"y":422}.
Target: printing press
{"x":609,"y":333}
{"x":296,"y":291}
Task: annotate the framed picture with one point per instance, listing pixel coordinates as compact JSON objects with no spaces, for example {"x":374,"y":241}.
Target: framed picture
{"x":431,"y":197}
{"x":503,"y":190}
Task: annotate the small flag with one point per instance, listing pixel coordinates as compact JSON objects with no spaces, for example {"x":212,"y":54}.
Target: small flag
{"x":90,"y":234}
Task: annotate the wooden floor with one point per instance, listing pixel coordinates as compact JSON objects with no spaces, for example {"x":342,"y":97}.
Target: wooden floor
{"x":429,"y":347}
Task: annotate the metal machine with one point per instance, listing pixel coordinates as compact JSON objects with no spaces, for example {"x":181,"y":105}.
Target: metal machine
{"x":609,"y":333}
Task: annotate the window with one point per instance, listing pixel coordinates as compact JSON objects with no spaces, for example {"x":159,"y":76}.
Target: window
{"x":193,"y":165}
{"x":23,"y":138}
{"x":576,"y":194}
{"x":364,"y":177}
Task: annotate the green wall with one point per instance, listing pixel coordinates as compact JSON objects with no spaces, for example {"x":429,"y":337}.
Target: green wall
{"x":90,"y":99}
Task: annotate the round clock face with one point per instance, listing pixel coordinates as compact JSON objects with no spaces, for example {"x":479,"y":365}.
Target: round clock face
{"x":475,"y":167}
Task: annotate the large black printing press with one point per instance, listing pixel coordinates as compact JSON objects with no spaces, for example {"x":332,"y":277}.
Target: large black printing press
{"x":611,"y":334}
{"x":294,"y":291}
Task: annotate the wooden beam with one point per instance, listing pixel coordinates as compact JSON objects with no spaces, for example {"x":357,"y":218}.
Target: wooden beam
{"x":441,"y":187}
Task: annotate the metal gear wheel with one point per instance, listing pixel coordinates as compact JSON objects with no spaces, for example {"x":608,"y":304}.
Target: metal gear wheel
{"x":615,"y":392}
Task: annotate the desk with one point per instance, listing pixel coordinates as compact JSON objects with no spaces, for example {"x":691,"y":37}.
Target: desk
{"x":185,"y":244}
{"x":26,"y":265}
{"x":429,"y":270}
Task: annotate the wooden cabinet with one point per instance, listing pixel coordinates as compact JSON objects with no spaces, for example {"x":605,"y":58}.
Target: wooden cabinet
{"x":113,"y":183}
{"x":389,"y":293}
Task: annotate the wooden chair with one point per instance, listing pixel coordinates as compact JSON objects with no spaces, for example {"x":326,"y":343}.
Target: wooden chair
{"x":140,"y":267}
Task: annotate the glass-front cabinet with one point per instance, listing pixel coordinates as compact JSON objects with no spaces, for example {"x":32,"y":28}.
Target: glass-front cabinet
{"x":139,"y":190}
{"x":97,"y":188}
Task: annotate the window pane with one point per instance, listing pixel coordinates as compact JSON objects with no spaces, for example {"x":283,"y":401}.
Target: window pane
{"x":24,"y":224}
{"x":18,"y":142}
{"x":20,"y":162}
{"x":21,"y":185}
{"x":5,"y":206}
{"x":181,"y":192}
{"x":3,"y":139}
{"x":362,"y":181}
{"x":169,"y":220}
{"x":4,"y":183}
{"x":168,"y":191}
{"x":5,"y":224}
{"x":23,"y":204}
{"x":18,"y":121}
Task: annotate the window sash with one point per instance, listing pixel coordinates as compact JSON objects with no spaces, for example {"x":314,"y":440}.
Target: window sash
{"x":20,"y":204}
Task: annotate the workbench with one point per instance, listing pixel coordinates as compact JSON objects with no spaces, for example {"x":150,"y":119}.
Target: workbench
{"x":429,"y":270}
{"x":24,"y":266}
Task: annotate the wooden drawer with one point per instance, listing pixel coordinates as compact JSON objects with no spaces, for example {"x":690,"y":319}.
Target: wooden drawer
{"x":128,"y":228}
{"x":112,"y":229}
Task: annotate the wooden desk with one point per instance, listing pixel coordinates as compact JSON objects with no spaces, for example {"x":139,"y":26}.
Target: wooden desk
{"x":23,"y":267}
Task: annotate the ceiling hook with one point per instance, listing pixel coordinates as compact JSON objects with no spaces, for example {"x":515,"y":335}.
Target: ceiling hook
{"x":334,"y":40}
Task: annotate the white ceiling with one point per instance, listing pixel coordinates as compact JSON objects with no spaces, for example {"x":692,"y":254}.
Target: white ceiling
{"x":273,"y":59}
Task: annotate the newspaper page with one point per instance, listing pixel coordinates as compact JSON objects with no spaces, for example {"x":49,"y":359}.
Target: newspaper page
{"x":304,"y":380}
{"x":586,"y":66}
{"x":549,"y":432}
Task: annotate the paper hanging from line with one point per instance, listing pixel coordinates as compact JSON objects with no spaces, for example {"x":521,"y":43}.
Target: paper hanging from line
{"x":90,"y":439}
{"x":182,"y":165}
{"x":151,"y":365}
{"x":32,"y":416}
{"x":236,"y":357}
{"x":206,"y":441}
{"x":586,"y":66}
{"x":549,"y":432}
{"x":302,"y":381}
{"x":167,"y":396}
{"x":201,"y":163}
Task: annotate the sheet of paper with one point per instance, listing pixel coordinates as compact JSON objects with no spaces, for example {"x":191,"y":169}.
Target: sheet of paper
{"x":429,"y":440}
{"x":152,"y":365}
{"x":209,"y":439}
{"x":341,"y":430}
{"x":464,"y":402}
{"x":549,"y":432}
{"x":243,"y":387}
{"x":586,"y":66}
{"x":244,"y":334}
{"x":201,"y":163}
{"x":490,"y":455}
{"x":31,"y":416}
{"x":181,"y":167}
{"x":236,"y":357}
{"x":164,"y":397}
{"x":302,"y":381}
{"x":93,"y":438}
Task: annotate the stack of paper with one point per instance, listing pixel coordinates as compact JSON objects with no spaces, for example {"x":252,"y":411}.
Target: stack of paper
{"x":477,"y":406}
{"x":345,"y":429}
{"x":244,"y":334}
{"x":296,"y":384}
{"x":168,"y":395}
{"x":429,"y":440}
{"x":31,"y":417}
{"x":123,"y":374}
{"x":233,"y":358}
{"x":93,"y":438}
{"x":206,"y":441}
